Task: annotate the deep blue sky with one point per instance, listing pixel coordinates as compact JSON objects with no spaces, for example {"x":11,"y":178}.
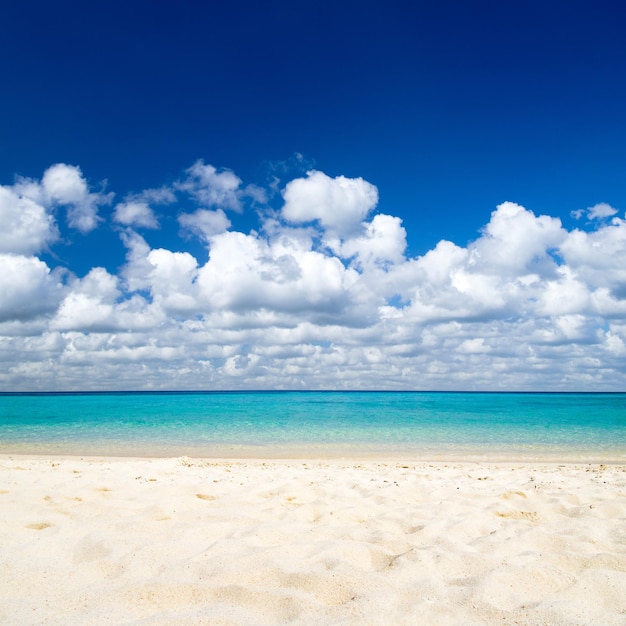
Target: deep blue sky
{"x":450,"y":108}
{"x":484,"y":123}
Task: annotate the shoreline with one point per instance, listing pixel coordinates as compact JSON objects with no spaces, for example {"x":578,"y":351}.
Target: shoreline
{"x":613,"y":456}
{"x":329,"y":459}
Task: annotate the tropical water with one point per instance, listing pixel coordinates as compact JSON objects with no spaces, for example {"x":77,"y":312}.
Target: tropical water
{"x":433,"y":425}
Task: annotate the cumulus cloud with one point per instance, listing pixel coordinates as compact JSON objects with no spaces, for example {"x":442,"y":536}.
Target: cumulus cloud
{"x":90,"y":303}
{"x":212,"y":188}
{"x":171,"y":280}
{"x":65,"y":185}
{"x":598,"y":257}
{"x":136,"y":210}
{"x":599,"y":211}
{"x":322,"y":295}
{"x":137,"y":213}
{"x":26,"y":225}
{"x":515,"y":241}
{"x":27,"y":287}
{"x":204,"y":223}
{"x":339,"y":204}
{"x":383,"y":241}
{"x":246,"y":272}
{"x":137,"y":269}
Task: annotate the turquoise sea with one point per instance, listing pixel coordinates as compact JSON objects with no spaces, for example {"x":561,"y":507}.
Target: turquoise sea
{"x":582,"y":427}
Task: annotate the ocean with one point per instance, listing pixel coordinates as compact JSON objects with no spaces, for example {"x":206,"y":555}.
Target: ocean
{"x":552,"y":426}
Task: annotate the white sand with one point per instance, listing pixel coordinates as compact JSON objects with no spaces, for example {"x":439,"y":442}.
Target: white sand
{"x":178,"y":541}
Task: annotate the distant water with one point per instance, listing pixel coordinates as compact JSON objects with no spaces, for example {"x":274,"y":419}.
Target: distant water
{"x":265,"y":424}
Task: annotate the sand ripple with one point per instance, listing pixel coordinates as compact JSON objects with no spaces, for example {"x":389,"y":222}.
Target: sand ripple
{"x":183,"y":541}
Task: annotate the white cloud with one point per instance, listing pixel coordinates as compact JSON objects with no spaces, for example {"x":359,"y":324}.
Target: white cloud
{"x":474,"y":346}
{"x":27,"y":209}
{"x":564,"y":295}
{"x":339,"y":204}
{"x":598,"y":248}
{"x":172,"y":280}
{"x":257,"y":194}
{"x":65,"y":185}
{"x":598,"y":257}
{"x":601,"y":210}
{"x":137,"y":269}
{"x":27,"y":288}
{"x":615,"y":344}
{"x":204,"y":223}
{"x":136,"y":209}
{"x":598,"y":211}
{"x":135,"y":213}
{"x":90,"y":303}
{"x":246,"y":272}
{"x":442,"y":262}
{"x":322,"y":295}
{"x":97,"y":303}
{"x":515,"y":241}
{"x":212,"y":188}
{"x":383,"y":241}
{"x":26,"y":225}
{"x":159,"y":195}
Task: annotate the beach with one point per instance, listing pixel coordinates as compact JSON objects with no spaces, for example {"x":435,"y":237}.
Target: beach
{"x":109,"y":540}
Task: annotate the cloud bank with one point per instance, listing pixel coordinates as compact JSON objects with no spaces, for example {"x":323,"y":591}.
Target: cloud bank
{"x":319,"y":294}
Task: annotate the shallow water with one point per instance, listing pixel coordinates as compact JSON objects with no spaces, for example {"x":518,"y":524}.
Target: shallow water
{"x":524,"y":425}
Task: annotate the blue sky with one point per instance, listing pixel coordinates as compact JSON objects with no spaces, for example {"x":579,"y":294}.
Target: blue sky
{"x":245,"y":111}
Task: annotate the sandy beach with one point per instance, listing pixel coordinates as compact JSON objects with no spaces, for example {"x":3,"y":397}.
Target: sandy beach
{"x":194,"y":541}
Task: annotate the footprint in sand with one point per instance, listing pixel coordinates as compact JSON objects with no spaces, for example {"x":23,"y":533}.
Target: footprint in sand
{"x":512,"y":494}
{"x":530,"y":516}
{"x":90,"y":549}
{"x":39,"y":526}
{"x":204,"y":496}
